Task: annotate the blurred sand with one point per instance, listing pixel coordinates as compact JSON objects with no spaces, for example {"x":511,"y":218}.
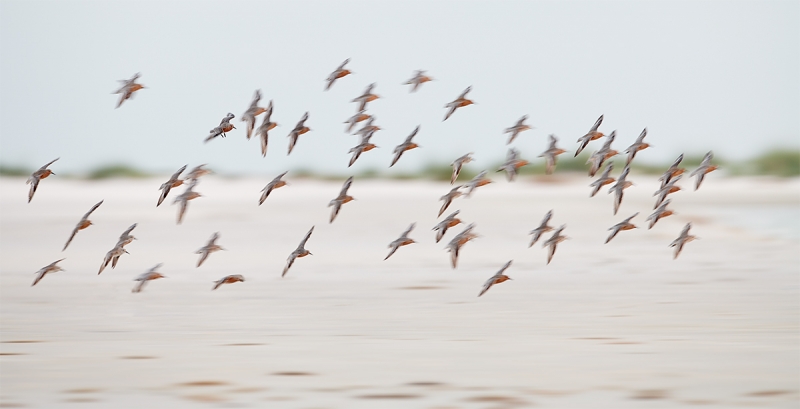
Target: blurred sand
{"x":621,"y":325}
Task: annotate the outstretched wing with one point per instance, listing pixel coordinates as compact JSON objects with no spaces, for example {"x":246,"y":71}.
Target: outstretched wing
{"x":346,"y":186}
{"x":305,"y":239}
{"x":596,"y":124}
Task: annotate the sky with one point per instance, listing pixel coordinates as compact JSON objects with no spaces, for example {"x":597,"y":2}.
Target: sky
{"x":699,"y":75}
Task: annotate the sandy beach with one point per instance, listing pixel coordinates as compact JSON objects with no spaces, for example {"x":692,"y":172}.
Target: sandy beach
{"x":618,"y":325}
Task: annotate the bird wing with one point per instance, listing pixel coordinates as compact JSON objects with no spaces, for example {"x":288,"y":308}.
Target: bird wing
{"x":487,"y":285}
{"x":182,"y":210}
{"x":395,"y":245}
{"x":305,"y":239}
{"x":551,"y":251}
{"x":203,"y":256}
{"x":71,"y":236}
{"x":289,"y":263}
{"x":346,"y":186}
{"x":596,"y":124}
{"x":85,"y":216}
{"x":408,"y":230}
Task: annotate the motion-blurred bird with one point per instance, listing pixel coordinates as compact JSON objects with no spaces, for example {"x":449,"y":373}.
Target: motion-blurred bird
{"x":364,"y":146}
{"x":476,"y":182}
{"x":659,"y":213}
{"x":252,"y":112}
{"x":128,"y":88}
{"x":553,"y":241}
{"x":299,"y":252}
{"x":196,"y":173}
{"x":83,"y":223}
{"x":407,"y":145}
{"x":209,"y":248}
{"x":366,"y":97}
{"x":126,"y":238}
{"x":37,"y":176}
{"x":543,"y":228}
{"x":497,"y":278}
{"x":448,"y":198}
{"x":512,"y":164}
{"x":454,"y":247}
{"x":343,"y":198}
{"x":459,"y":102}
{"x":221,"y":130}
{"x":448,"y":222}
{"x":590,"y":136}
{"x":274,"y":184}
{"x":403,"y":240}
{"x":637,"y":146}
{"x":169,"y":184}
{"x":623,"y":225}
{"x":705,"y":168}
{"x":458,"y":164}
{"x":358,"y":117}
{"x":519,"y":127}
{"x":684,"y":238}
{"x":229,"y":279}
{"x":604,"y":179}
{"x":674,"y":171}
{"x":603,"y":154}
{"x":263,"y":130}
{"x":112,"y":257}
{"x":666,"y":190}
{"x":50,"y":268}
{"x":184,"y":199}
{"x":619,"y":187}
{"x":339,"y":72}
{"x":298,"y":130}
{"x":151,"y":274}
{"x":369,"y":127}
{"x":550,"y":155}
{"x":418,"y":79}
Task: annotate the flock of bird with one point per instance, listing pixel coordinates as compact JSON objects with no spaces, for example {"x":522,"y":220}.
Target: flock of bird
{"x":511,"y":166}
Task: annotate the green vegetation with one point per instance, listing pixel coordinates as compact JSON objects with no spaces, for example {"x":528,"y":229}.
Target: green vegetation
{"x":116,"y":171}
{"x":14,"y":171}
{"x":777,"y":162}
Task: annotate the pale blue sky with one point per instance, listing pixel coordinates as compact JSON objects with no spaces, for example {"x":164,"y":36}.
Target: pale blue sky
{"x":700,"y":75}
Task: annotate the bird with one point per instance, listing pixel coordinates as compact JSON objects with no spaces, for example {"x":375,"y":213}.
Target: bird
{"x":407,"y":145}
{"x":418,"y":79}
{"x":459,"y":102}
{"x":50,"y":268}
{"x":476,"y":182}
{"x":369,"y":127}
{"x":519,"y":127}
{"x":274,"y":184}
{"x":263,"y":131}
{"x":448,"y":198}
{"x":666,"y":190}
{"x":543,"y":228}
{"x":512,"y":164}
{"x":128,"y":88}
{"x":364,"y":146}
{"x":224,"y":126}
{"x":361,"y":115}
{"x":623,"y":225}
{"x":298,"y":130}
{"x":126,"y":238}
{"x":184,"y":199}
{"x":448,"y":222}
{"x":169,"y":184}
{"x":197,"y":173}
{"x":209,"y":248}
{"x":590,"y":136}
{"x":150,"y":274}
{"x":660,"y":213}
{"x":684,"y":238}
{"x":604,"y":153}
{"x":604,"y":179}
{"x":458,"y":164}
{"x":637,"y":146}
{"x":40,"y":174}
{"x":705,"y":168}
{"x":550,"y":155}
{"x":229,"y":279}
{"x":497,"y":278}
{"x":553,"y":241}
{"x":112,"y":257}
{"x":339,"y":72}
{"x":83,"y":223}
{"x":459,"y":241}
{"x":619,"y":187}
{"x":366,"y":97}
{"x":403,"y":240}
{"x":341,"y":199}
{"x":299,"y":252}
{"x":252,"y":112}
{"x":674,"y":171}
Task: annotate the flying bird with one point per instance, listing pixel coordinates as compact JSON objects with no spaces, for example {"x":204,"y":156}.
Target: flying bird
{"x":50,"y":268}
{"x":229,"y":279}
{"x":623,"y":225}
{"x":458,"y":164}
{"x":497,"y":278}
{"x":37,"y":176}
{"x":184,"y":199}
{"x":369,"y":127}
{"x":519,"y":127}
{"x":674,"y":171}
{"x":364,"y":146}
{"x":604,"y":179}
{"x":603,"y":154}
{"x":274,"y":184}
{"x":590,"y":136}
{"x":705,"y":168}
{"x":83,"y":223}
{"x":298,"y":130}
{"x":299,"y":252}
{"x":252,"y":112}
{"x":197,"y":173}
{"x":448,"y":222}
{"x":126,"y":238}
{"x":403,"y":240}
{"x":209,"y":248}
{"x":637,"y":146}
{"x":543,"y":228}
{"x":263,"y":131}
{"x":550,"y":155}
{"x":224,"y":126}
{"x":151,"y":274}
{"x":666,"y":190}
{"x":553,"y":241}
{"x":418,"y":79}
{"x":448,"y":198}
{"x":459,"y":241}
{"x":512,"y":164}
{"x":477,"y":181}
{"x":339,"y":72}
{"x":366,"y":97}
{"x":684,"y":238}
{"x":407,"y":145}
{"x":128,"y":88}
{"x":659,"y":213}
{"x":112,"y":257}
{"x":341,"y":199}
{"x":619,"y":187}
{"x":173,"y":181}
{"x":358,"y":117}
{"x":459,"y":102}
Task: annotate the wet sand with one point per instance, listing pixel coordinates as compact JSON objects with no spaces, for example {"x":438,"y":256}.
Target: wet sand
{"x":620,"y":325}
